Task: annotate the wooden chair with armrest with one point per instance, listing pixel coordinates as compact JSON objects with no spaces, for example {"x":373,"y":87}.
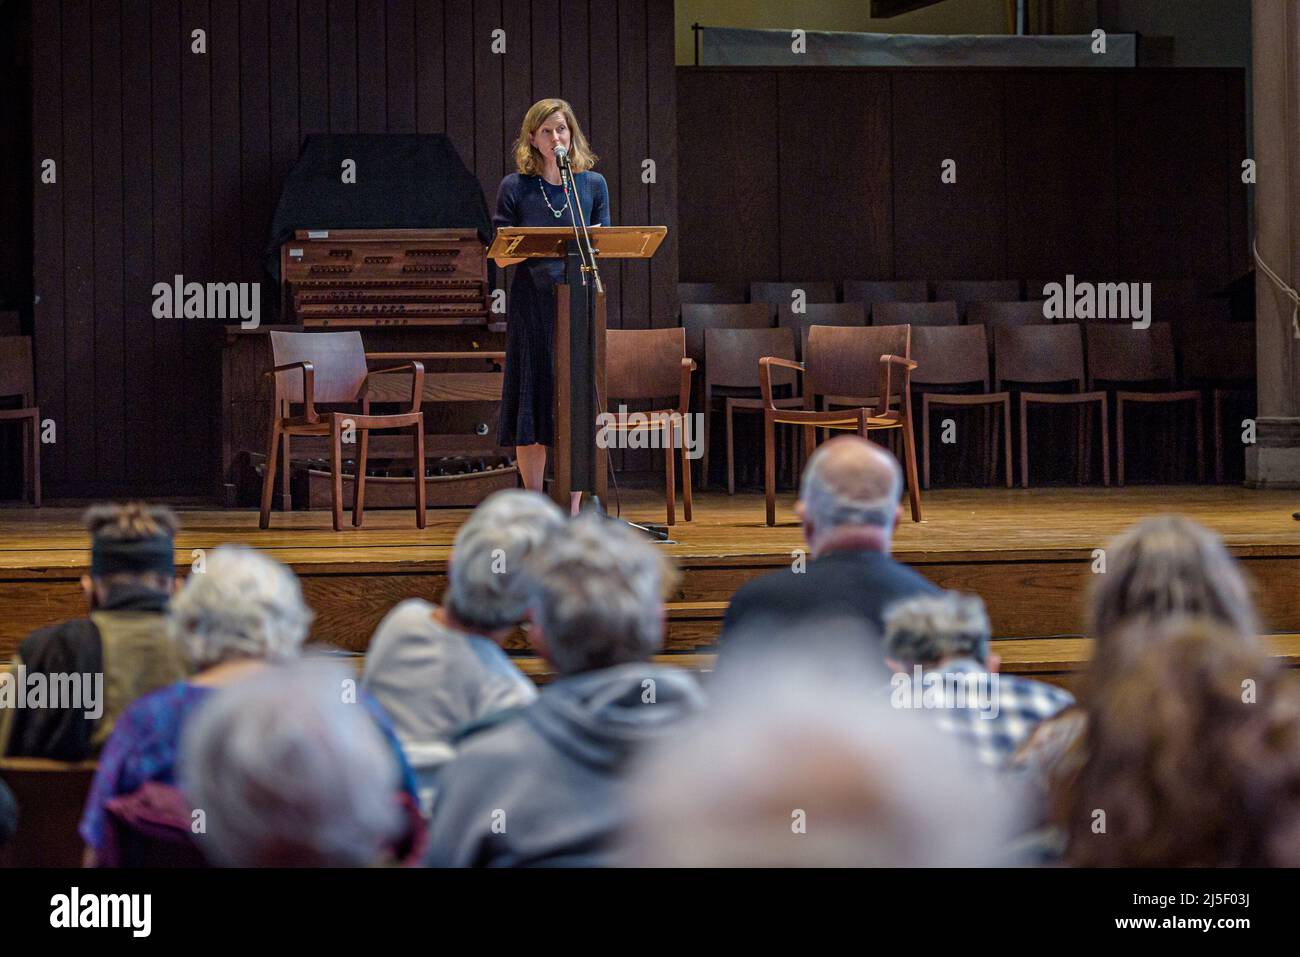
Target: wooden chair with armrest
{"x":845,"y":362}
{"x":330,"y":368}
{"x":652,"y":364}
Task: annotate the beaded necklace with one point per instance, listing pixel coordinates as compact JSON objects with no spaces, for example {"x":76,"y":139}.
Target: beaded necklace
{"x":541,"y":184}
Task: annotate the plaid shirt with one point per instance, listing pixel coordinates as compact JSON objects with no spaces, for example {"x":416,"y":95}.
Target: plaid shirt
{"x":995,"y":722}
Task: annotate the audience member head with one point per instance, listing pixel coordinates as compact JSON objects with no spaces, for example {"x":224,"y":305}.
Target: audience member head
{"x":287,"y":774}
{"x":130,"y":547}
{"x":242,"y":605}
{"x":801,"y":761}
{"x":848,"y":496}
{"x":1193,"y":756}
{"x":931,"y":629}
{"x":484,"y":592}
{"x":596,"y":596}
{"x":1164,"y":567}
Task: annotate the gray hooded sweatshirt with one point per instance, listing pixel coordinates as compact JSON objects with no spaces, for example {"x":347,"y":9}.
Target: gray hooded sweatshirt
{"x":547,"y":787}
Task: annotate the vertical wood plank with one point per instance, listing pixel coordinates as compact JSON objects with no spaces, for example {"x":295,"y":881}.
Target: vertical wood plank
{"x":518,"y":79}
{"x":430,"y":67}
{"x":459,"y":40}
{"x":313,"y":68}
{"x":488,"y":67}
{"x":634,"y":148}
{"x":372,"y":67}
{"x":198,"y":358}
{"x":662,"y":148}
{"x":342,"y":71}
{"x":254,"y":139}
{"x":171,"y":44}
{"x":48,"y":263}
{"x":400,"y":61}
{"x":77,"y":431}
{"x":106,"y":161}
{"x":140,"y":444}
{"x":599,"y":113}
{"x":284,"y":94}
{"x":545,"y":38}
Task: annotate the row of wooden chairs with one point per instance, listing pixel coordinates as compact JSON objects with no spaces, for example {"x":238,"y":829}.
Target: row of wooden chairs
{"x":871,"y":293}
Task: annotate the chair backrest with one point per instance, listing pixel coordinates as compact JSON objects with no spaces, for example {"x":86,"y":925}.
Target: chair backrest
{"x":778,"y":294}
{"x":1217,"y":352}
{"x":964,"y":291}
{"x":644,"y":363}
{"x":915,"y":314}
{"x":51,"y":796}
{"x":845,"y":361}
{"x":819,"y":314}
{"x":338,"y":361}
{"x":950,"y":355}
{"x":869,"y":292}
{"x":16,"y":376}
{"x":1124,"y":354}
{"x":991,"y":315}
{"x":697,"y":317}
{"x":733,"y":356}
{"x":710,"y":292}
{"x":1038,"y":354}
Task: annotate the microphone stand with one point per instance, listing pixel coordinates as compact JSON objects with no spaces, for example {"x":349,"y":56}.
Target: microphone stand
{"x":588,"y":254}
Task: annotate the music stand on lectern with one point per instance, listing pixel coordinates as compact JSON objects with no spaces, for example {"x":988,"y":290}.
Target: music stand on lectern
{"x":580,"y":465}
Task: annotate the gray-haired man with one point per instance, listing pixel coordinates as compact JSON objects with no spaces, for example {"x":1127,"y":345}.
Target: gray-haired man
{"x":436,"y":669}
{"x":848,"y":503}
{"x":548,"y":787}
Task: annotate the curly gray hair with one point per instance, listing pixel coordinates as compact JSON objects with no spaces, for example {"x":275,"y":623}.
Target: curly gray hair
{"x":243,"y":605}
{"x":597,"y":592}
{"x":483,"y":590}
{"x":930,"y":628}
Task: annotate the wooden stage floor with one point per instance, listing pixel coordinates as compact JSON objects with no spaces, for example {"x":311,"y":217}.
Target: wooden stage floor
{"x":1028,"y":553}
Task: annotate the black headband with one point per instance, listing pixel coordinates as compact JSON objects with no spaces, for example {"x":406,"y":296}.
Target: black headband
{"x":112,"y":556}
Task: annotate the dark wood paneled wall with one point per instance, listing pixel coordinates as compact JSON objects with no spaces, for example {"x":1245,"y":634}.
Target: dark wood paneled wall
{"x":171,"y":162}
{"x":830,"y":174}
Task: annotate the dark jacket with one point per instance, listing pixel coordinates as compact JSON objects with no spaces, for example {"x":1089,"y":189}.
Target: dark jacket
{"x":547,"y":787}
{"x":858,"y":584}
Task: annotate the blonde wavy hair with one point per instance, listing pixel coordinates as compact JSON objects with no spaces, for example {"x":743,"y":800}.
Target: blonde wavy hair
{"x":528,"y":159}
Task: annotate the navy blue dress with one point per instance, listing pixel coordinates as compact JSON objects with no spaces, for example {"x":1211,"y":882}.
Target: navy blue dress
{"x":528,"y":396}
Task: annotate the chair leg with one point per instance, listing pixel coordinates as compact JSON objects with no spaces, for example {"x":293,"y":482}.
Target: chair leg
{"x":1200,"y":440}
{"x":36,"y":460}
{"x":286,"y":497}
{"x":769,"y":467}
{"x":686,"y":473}
{"x":1006,"y":430}
{"x":1119,"y":442}
{"x":1024,"y":443}
{"x":421,"y":507}
{"x":909,"y":457}
{"x":704,"y":459}
{"x":1217,"y":401}
{"x":336,"y":469}
{"x":1105,"y":443}
{"x":728,"y":413}
{"x":268,"y":476}
{"x":925,"y":440}
{"x":359,"y":480}
{"x":670,"y":480}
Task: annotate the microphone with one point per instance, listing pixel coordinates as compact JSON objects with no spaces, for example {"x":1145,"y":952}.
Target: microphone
{"x":561,"y":156}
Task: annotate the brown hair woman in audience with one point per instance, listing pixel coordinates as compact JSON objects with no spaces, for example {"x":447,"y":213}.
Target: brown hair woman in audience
{"x":535,"y":196}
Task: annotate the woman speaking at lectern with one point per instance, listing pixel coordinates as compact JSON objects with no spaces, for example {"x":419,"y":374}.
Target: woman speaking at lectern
{"x":535,"y":196}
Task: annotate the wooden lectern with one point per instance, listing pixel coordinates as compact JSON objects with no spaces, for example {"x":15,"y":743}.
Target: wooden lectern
{"x":580,"y":464}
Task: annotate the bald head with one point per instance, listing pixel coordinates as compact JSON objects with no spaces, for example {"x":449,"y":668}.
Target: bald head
{"x":850,"y":483}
